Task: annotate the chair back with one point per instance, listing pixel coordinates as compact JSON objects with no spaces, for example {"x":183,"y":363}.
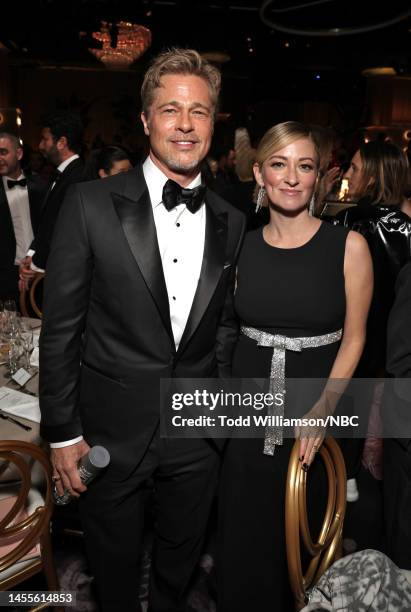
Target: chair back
{"x":29,"y":298}
{"x":326,"y":549}
{"x":22,"y":528}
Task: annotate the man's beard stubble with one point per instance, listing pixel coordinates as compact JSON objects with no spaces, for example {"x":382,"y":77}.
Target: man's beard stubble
{"x":176,"y":165}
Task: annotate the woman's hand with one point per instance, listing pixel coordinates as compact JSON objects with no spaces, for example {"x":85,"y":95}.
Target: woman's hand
{"x":312,"y":436}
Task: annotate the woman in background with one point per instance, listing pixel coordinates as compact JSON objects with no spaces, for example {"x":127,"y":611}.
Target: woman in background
{"x":377,"y":178}
{"x":107,"y":161}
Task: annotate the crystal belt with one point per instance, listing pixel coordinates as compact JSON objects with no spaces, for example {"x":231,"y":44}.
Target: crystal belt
{"x":274,"y":435}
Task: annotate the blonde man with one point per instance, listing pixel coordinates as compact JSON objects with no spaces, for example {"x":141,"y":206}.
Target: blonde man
{"x":139,"y":288}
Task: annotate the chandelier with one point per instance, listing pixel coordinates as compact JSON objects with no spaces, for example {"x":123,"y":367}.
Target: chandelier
{"x":123,"y":43}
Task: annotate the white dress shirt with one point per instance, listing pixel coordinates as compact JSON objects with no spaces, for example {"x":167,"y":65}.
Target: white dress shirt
{"x":180,"y":236}
{"x":60,"y":168}
{"x":18,"y":199}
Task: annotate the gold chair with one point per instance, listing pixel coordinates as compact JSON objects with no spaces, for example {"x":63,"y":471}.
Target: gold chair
{"x":328,"y":546}
{"x":28,"y":298}
{"x":25,"y":514}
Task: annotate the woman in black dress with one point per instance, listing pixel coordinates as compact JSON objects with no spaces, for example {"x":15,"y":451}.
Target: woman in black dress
{"x":297,"y":277}
{"x":377,"y":178}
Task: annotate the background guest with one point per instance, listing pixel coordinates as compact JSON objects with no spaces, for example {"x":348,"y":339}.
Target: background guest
{"x":377,"y":178}
{"x":396,"y":412}
{"x":61,"y":144}
{"x":107,"y":161}
{"x":21,"y":198}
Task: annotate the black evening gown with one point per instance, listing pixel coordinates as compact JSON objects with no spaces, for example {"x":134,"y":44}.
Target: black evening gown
{"x":294,"y":292}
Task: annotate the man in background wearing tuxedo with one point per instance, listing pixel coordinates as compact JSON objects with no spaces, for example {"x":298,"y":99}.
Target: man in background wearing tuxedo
{"x":61,"y":144}
{"x":21,"y":198}
{"x":397,"y":426}
{"x":139,"y":287}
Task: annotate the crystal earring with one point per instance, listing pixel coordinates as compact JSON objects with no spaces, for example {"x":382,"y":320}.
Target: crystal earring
{"x":311,"y":206}
{"x":260,"y":199}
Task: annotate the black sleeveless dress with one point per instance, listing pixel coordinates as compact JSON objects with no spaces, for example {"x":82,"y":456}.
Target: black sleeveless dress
{"x":294,"y":292}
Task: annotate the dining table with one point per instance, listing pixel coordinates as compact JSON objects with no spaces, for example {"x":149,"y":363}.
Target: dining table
{"x":15,"y":426}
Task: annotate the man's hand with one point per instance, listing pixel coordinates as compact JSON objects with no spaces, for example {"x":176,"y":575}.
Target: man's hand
{"x":26,"y":274}
{"x":65,"y":473}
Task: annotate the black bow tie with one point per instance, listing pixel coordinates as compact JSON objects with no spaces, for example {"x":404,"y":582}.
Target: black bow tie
{"x":174,"y":194}
{"x":21,"y":183}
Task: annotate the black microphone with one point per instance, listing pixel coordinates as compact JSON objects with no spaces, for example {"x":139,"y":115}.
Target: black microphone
{"x":89,"y":467}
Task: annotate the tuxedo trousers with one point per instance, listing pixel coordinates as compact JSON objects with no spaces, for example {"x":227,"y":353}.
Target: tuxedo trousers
{"x":184,"y":474}
{"x":9,"y":279}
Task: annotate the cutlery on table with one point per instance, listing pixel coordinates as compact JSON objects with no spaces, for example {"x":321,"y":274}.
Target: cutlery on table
{"x":15,"y":421}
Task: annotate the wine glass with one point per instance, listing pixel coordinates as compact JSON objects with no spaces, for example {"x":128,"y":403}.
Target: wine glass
{"x":9,"y":311}
{"x":27,"y":340}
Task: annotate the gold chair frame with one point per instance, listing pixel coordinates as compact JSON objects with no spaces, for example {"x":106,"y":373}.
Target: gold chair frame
{"x":33,"y":529}
{"x":32,"y":297}
{"x":328,"y":546}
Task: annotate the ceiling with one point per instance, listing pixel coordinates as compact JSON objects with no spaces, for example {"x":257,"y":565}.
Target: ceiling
{"x":49,"y":30}
{"x":265,"y":63}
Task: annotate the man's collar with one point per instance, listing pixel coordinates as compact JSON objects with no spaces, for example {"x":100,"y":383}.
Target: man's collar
{"x":10,"y":178}
{"x":156,"y":179}
{"x":61,"y":167}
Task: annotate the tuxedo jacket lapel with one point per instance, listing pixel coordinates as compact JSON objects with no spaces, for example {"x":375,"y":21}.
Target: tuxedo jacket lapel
{"x":8,"y":239}
{"x":211,"y":269}
{"x":135,"y":212}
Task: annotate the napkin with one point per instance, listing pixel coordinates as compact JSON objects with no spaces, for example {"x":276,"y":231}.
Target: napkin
{"x":34,"y":357}
{"x":19,"y":404}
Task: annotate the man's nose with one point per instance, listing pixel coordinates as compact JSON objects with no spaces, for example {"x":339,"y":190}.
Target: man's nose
{"x":184,"y":122}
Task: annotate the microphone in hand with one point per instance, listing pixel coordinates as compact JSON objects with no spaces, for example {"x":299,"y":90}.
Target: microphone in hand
{"x":89,"y":467}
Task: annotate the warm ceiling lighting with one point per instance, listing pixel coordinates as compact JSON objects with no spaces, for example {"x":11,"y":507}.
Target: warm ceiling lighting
{"x":379,"y":71}
{"x":216,"y":57}
{"x":123,"y":43}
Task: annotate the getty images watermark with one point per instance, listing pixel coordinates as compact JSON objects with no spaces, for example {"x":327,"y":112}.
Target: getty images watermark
{"x":217,"y":408}
{"x":256,"y":401}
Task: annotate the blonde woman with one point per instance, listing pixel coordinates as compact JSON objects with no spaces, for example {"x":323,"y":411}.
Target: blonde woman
{"x":298,"y":277}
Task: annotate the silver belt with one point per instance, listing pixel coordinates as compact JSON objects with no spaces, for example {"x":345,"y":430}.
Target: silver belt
{"x":274,"y":435}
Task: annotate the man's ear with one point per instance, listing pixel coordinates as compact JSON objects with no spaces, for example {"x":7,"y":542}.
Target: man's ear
{"x":145,"y":124}
{"x":19,"y":153}
{"x":62,"y":143}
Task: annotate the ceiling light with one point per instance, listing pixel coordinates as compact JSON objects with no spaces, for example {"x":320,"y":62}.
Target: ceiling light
{"x":379,"y":71}
{"x":123,"y":43}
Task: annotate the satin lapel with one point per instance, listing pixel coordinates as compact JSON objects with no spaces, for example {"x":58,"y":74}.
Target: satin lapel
{"x":4,"y":204}
{"x":211,"y":269}
{"x":6,"y":223}
{"x":136,"y":218}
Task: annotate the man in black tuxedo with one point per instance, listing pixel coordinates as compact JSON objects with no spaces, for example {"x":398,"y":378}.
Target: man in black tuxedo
{"x":397,"y":426}
{"x":21,"y":198}
{"x":61,"y":143}
{"x":139,"y":287}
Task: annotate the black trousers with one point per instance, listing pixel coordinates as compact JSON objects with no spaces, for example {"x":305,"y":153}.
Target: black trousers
{"x":397,"y":500}
{"x":9,"y":279}
{"x":184,"y":473}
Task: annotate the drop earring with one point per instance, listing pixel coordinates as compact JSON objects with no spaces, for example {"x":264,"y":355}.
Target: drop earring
{"x":311,"y":206}
{"x":260,"y":199}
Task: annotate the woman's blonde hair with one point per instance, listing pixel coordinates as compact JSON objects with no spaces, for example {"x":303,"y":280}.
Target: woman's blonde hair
{"x":179,"y":61}
{"x":280,"y":136}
